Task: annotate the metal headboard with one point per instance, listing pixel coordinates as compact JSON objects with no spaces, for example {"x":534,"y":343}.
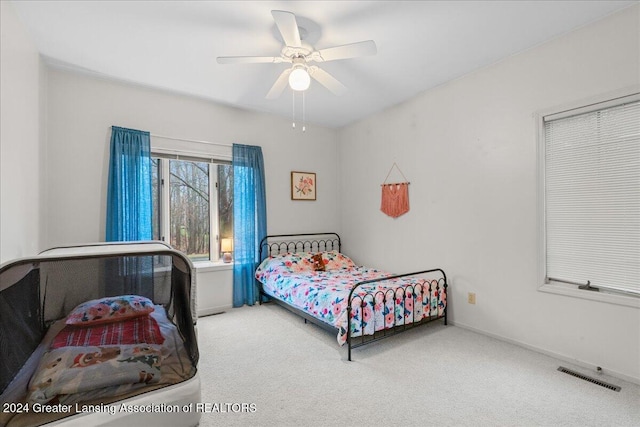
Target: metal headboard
{"x":312,"y":242}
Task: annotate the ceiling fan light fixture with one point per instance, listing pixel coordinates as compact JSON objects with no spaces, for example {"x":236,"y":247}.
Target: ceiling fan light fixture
{"x":299,"y":79}
{"x":298,"y":50}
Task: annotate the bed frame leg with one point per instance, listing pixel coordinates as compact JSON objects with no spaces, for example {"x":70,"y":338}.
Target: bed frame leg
{"x":445,"y":306}
{"x":349,"y":324}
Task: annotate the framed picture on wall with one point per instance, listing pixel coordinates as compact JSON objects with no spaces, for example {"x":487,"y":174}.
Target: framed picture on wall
{"x":303,"y":186}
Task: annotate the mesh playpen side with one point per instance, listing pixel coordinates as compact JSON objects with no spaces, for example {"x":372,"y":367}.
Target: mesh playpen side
{"x":38,"y":293}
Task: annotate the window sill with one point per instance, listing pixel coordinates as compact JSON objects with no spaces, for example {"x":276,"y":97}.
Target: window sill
{"x":206,"y":266}
{"x":602,"y":296}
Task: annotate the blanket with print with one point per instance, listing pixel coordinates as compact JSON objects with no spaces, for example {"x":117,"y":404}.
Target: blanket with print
{"x":69,"y":370}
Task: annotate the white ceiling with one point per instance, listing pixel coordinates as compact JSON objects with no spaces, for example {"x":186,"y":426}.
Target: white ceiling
{"x":173,"y":45}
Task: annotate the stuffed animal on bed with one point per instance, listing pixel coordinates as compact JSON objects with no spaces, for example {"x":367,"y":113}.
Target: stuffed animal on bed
{"x":318,"y":262}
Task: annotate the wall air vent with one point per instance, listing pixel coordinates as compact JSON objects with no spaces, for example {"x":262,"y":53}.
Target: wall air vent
{"x":586,"y":378}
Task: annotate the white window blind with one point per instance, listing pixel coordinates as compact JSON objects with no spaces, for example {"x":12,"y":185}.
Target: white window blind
{"x":592,"y":196}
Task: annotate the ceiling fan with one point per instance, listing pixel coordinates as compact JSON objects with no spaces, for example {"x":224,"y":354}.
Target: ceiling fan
{"x":301,"y":55}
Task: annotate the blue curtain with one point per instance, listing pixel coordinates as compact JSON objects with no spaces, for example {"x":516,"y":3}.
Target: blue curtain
{"x":249,"y":220}
{"x":129,"y":189}
{"x":129,"y":207}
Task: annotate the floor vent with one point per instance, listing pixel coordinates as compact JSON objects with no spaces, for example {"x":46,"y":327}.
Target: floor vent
{"x":586,"y":378}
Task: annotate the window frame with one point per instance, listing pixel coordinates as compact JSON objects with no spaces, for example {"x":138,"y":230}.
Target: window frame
{"x":584,"y":106}
{"x":215,"y":257}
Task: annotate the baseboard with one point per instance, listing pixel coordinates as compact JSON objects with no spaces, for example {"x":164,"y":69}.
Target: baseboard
{"x":553,"y":354}
{"x":213,"y":310}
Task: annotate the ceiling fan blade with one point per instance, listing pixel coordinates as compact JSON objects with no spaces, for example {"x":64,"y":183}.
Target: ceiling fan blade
{"x":345,"y":51}
{"x":279,"y":85}
{"x":327,"y":80}
{"x":248,"y":59}
{"x":288,"y":27}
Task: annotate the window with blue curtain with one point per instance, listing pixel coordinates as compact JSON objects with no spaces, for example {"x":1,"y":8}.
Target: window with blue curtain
{"x":129,"y":210}
{"x":129,"y":190}
{"x":249,"y":220}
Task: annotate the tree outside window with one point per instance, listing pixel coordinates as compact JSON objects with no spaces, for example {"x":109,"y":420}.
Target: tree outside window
{"x":199,"y":208}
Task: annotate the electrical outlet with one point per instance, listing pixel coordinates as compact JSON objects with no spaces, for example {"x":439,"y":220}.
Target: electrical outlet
{"x":471,"y":298}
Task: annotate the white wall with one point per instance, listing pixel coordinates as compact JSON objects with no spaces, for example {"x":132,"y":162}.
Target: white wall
{"x":81,"y":110}
{"x":469,"y":150}
{"x":20,"y":84}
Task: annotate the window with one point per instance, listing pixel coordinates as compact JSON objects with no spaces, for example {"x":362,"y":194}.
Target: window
{"x":591,"y":173}
{"x":192,"y":205}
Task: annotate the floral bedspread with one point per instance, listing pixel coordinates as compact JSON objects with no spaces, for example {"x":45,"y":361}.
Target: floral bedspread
{"x":293,"y":279}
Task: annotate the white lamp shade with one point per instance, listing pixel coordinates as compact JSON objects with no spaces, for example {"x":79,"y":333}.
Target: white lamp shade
{"x":299,"y":79}
{"x":226,"y":245}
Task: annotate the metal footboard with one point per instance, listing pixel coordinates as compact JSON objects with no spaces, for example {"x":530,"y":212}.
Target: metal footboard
{"x":430,"y":295}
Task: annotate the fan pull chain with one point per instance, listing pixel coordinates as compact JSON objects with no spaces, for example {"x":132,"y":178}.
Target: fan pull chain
{"x":293,"y":117}
{"x":304,"y":115}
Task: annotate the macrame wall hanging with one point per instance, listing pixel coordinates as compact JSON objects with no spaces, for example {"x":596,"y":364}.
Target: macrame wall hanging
{"x":395,"y":196}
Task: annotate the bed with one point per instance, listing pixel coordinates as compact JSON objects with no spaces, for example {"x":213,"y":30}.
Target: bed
{"x":308,"y":275}
{"x":101,"y":334}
